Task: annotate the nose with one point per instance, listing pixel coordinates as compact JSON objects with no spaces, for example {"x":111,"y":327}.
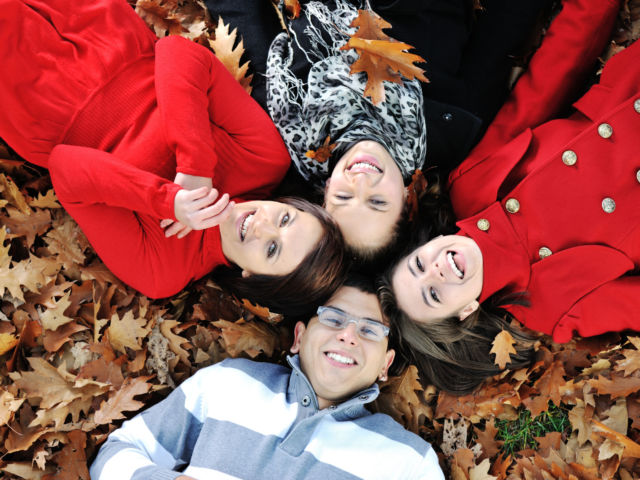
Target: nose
{"x":349,"y":335}
{"x":263,"y":226}
{"x":434,"y":272}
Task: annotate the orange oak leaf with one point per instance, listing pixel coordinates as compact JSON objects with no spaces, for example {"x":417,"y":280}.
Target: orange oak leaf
{"x":292,"y":7}
{"x":54,"y":317}
{"x":175,"y":341}
{"x":616,"y":387}
{"x":72,"y":460}
{"x":122,"y":400}
{"x":503,"y":348}
{"x":223,"y":47}
{"x":54,"y":340}
{"x":399,"y":398}
{"x":323,"y":153}
{"x":249,"y":337}
{"x":381,"y":57}
{"x":20,"y":224}
{"x":261,"y":312}
{"x":159,"y":17}
{"x":487,"y":438}
{"x":630,"y":363}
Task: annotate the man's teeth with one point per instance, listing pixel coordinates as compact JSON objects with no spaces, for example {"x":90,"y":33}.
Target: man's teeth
{"x":245,"y":225}
{"x":365,"y":165}
{"x":339,"y":358}
{"x":454,"y":267}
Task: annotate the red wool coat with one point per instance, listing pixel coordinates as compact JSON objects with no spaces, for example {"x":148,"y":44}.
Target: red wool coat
{"x":88,"y":92}
{"x":555,"y":204}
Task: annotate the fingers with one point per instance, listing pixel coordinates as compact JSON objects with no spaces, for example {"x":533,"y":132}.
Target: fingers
{"x":174,"y":229}
{"x":165,"y":223}
{"x":217,"y":219}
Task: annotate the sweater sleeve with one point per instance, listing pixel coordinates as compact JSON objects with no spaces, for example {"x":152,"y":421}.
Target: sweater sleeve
{"x":612,"y":307}
{"x":119,"y":207}
{"x":149,"y":446}
{"x":569,"y":50}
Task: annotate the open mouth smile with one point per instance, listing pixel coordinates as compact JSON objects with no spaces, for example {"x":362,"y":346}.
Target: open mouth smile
{"x":244,"y":225}
{"x":458,"y":272}
{"x":364,"y":164}
{"x":340,"y":359}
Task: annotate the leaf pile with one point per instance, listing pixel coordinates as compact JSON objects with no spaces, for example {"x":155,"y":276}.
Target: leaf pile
{"x":80,"y":351}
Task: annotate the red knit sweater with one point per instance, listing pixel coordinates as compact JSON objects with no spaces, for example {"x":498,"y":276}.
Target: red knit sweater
{"x":177,"y":111}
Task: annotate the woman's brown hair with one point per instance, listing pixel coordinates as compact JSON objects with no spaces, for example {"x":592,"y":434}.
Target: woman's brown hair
{"x":299,"y":293}
{"x":453,"y":354}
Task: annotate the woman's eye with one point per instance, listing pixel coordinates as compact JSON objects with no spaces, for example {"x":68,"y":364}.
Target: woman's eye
{"x":271,"y":251}
{"x":434,"y":295}
{"x":343,"y":197}
{"x":419,"y":265}
{"x":284,"y":220}
{"x":377,"y":202}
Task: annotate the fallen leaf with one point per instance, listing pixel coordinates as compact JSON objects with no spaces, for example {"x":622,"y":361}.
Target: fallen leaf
{"x":381,"y":57}
{"x":502,"y":347}
{"x":261,"y":312}
{"x":481,"y":471}
{"x":223,"y":47}
{"x":49,"y":200}
{"x":323,"y":153}
{"x":122,"y":400}
{"x":292,"y":7}
{"x":12,"y":193}
{"x":7,"y":342}
{"x":54,"y":317}
{"x":249,"y":337}
{"x":127,"y":332}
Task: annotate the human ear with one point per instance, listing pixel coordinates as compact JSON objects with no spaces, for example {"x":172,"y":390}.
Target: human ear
{"x":298,"y":332}
{"x":246,"y":274}
{"x":388,"y":360}
{"x":469,"y":309}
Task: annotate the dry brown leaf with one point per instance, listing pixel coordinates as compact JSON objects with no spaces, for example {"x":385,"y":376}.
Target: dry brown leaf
{"x":127,"y":332}
{"x":122,"y":400}
{"x":175,"y":341}
{"x":26,"y":470}
{"x":230,"y":56}
{"x":71,"y":460}
{"x":20,"y":224}
{"x":487,"y":438}
{"x":323,"y":153}
{"x":7,"y":342}
{"x":160,"y":17}
{"x":481,"y":471}
{"x":8,"y":406}
{"x":249,"y":337}
{"x":617,"y":386}
{"x":631,"y":448}
{"x":261,"y":312}
{"x":13,"y":195}
{"x":381,"y":57}
{"x":49,"y":200}
{"x":292,"y":7}
{"x":52,"y":318}
{"x":502,"y":347}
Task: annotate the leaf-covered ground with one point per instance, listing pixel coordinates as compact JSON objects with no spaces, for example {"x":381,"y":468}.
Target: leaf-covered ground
{"x":80,"y":351}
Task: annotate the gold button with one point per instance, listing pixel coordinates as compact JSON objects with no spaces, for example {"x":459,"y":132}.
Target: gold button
{"x":483,"y":224}
{"x":636,"y":105}
{"x":512,"y":205}
{"x":608,"y":205}
{"x":605,"y":130}
{"x":569,"y":157}
{"x":544,"y":252}
{"x":638,"y":176}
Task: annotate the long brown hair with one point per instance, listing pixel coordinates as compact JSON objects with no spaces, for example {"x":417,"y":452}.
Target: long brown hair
{"x":299,"y":293}
{"x":453,"y":354}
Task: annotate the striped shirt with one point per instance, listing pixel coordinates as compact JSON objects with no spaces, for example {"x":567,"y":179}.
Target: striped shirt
{"x":247,"y":420}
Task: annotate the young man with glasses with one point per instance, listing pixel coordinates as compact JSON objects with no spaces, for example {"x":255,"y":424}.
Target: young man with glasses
{"x":247,"y":420}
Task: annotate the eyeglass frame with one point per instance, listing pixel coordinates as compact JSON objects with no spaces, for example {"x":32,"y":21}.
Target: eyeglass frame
{"x":352,"y":319}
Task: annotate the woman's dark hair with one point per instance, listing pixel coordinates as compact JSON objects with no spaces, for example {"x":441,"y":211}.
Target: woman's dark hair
{"x":431,"y":216}
{"x":453,"y":354}
{"x":299,"y":293}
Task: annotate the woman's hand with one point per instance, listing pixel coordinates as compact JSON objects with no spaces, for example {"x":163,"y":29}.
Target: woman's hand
{"x":188,"y":182}
{"x":196,"y":210}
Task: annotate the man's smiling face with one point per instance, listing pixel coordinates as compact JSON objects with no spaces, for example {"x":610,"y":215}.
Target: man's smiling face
{"x":339,"y":363}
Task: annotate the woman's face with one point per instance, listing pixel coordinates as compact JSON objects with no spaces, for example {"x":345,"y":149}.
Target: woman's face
{"x":264,"y":237}
{"x":440,"y":279}
{"x":365,"y":194}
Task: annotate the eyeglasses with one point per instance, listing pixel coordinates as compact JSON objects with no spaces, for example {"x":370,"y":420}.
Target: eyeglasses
{"x":339,"y":320}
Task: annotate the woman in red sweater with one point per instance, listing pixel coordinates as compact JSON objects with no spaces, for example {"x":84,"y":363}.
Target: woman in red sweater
{"x":149,"y":139}
{"x":547,"y":207}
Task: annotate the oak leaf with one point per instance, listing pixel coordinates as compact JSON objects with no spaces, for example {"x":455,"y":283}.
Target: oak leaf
{"x":53,"y":317}
{"x":481,"y":471}
{"x":12,"y":193}
{"x":249,"y":337}
{"x":8,"y":406}
{"x":20,"y":224}
{"x":323,"y":153}
{"x":175,"y":341}
{"x":631,"y":448}
{"x":159,"y":17}
{"x":122,"y":400}
{"x":127,"y":332}
{"x":381,"y":57}
{"x":263,"y":313}
{"x":54,"y":340}
{"x":223,"y":47}
{"x":487,"y":438}
{"x":292,"y":7}
{"x":503,"y":348}
{"x":616,"y":387}
{"x":72,"y":460}
{"x":49,"y":200}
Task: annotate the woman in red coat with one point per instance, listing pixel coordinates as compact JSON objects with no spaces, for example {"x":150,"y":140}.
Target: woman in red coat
{"x":547,"y":207}
{"x":147,"y":139}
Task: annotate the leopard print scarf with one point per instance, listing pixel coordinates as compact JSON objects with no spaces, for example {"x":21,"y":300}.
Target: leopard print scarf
{"x":331,"y":102}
